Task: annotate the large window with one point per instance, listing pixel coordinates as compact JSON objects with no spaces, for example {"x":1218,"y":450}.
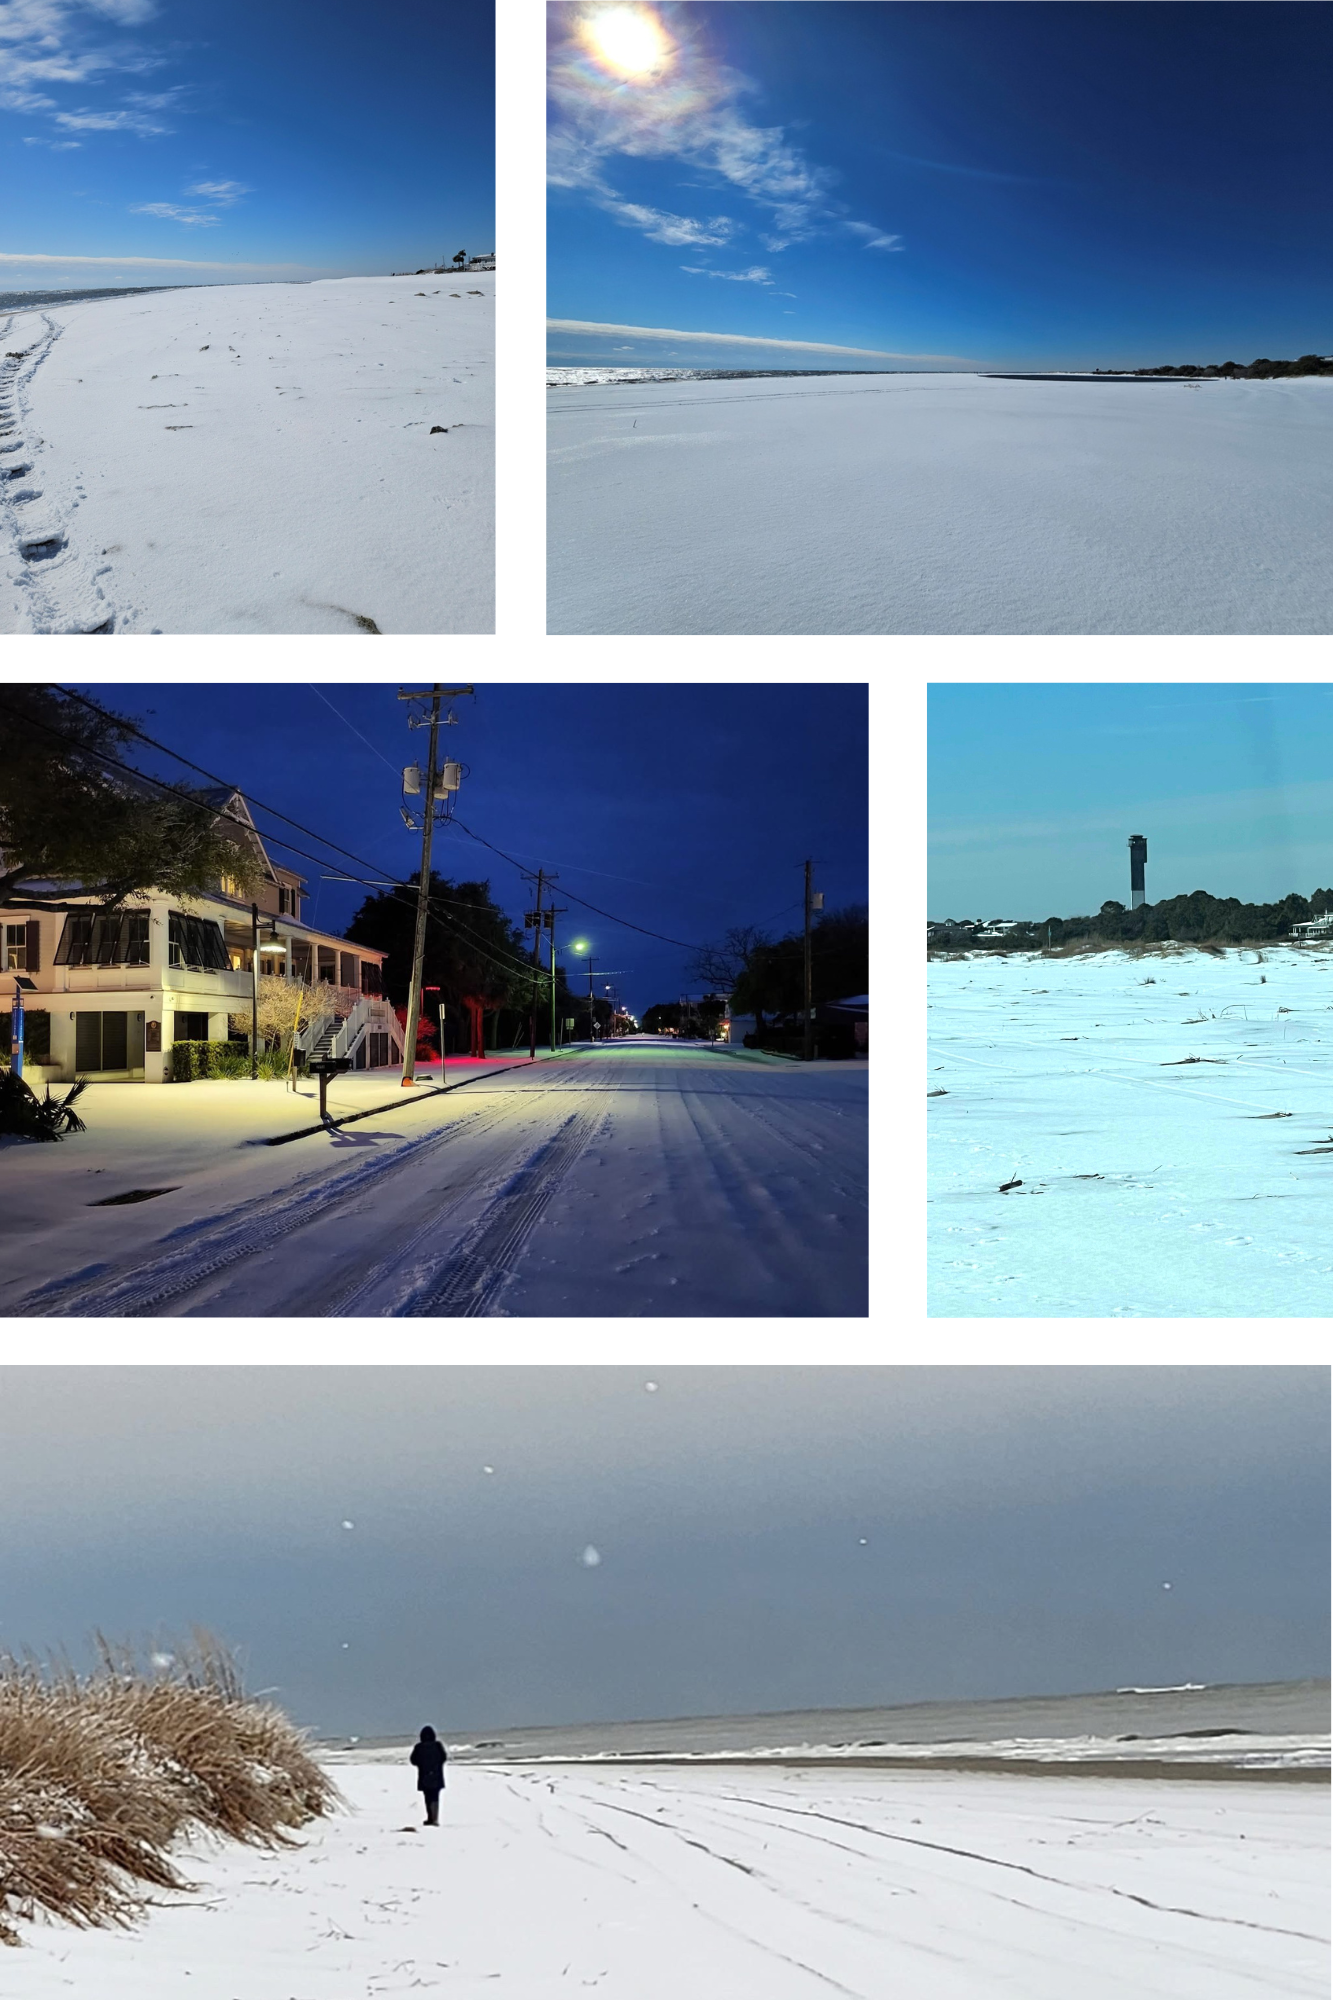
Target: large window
{"x":195,"y":943}
{"x":115,"y":937}
{"x":14,"y":955}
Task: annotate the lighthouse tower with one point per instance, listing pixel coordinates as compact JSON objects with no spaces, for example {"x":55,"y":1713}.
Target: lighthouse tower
{"x":1138,"y":855}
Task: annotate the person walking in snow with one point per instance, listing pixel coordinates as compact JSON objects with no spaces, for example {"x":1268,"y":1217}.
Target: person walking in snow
{"x":430,"y":1757}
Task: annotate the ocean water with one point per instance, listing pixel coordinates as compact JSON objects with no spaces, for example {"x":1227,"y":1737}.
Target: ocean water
{"x":1273,"y":1725}
{"x":28,"y":301}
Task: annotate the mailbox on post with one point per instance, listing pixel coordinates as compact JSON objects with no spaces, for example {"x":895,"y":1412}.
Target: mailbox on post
{"x":324,"y":1067}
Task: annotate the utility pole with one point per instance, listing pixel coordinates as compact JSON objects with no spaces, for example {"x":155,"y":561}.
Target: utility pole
{"x":532,"y":920}
{"x":814,"y":900}
{"x":551,"y":916}
{"x":437,"y":694}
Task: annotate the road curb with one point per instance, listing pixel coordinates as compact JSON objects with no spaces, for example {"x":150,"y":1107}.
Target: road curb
{"x":395,"y":1104}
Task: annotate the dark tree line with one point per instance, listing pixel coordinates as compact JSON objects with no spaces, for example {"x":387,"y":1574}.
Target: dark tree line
{"x":477,"y":960}
{"x":764,"y":976}
{"x":1261,"y":370}
{"x":1194,"y":919}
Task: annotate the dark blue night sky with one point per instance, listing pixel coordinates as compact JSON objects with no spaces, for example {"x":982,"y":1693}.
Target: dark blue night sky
{"x":685,"y":809}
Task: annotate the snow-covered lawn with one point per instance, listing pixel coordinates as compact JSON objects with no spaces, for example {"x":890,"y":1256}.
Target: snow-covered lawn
{"x":251,"y":458}
{"x":741,"y":1884}
{"x":634,"y":1179}
{"x":1169,"y":1118}
{"x":941,"y":503}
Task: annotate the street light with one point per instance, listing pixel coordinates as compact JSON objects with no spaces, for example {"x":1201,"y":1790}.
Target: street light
{"x":581,"y":945}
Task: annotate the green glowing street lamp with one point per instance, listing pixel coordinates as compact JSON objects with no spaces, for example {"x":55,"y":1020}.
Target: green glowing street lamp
{"x":581,"y":945}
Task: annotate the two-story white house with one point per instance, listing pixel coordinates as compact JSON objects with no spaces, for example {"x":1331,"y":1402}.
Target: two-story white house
{"x":109,"y":992}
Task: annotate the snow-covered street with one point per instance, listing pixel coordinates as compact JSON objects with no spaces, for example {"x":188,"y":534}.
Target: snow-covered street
{"x":941,"y":503}
{"x":1167,"y":1116}
{"x":636,"y":1178}
{"x":251,"y":458}
{"x":730,"y":1883}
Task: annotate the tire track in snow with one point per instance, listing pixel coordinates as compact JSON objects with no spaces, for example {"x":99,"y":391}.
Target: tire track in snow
{"x":215,"y":1242}
{"x":749,"y":1937}
{"x":810,"y":1149}
{"x":466,"y":1284}
{"x":1024,"y":1868}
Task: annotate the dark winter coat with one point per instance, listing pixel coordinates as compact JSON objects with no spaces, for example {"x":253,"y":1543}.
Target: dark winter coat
{"x":430,"y":1758}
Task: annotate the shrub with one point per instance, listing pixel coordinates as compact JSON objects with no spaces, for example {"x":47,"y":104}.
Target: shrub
{"x":196,"y":1061}
{"x":100,"y":1774}
{"x":24,"y":1115}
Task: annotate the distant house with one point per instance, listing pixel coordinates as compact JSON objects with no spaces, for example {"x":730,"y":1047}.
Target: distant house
{"x":1313,"y":930}
{"x":111,"y":991}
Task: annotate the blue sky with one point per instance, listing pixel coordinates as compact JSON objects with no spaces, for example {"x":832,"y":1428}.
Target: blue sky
{"x":162,"y":141}
{"x":1035,"y":790}
{"x":684,"y":809}
{"x":996,"y":184}
{"x":771,"y":1538}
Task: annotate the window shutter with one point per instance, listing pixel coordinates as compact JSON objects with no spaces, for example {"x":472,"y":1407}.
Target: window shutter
{"x":34,"y":952}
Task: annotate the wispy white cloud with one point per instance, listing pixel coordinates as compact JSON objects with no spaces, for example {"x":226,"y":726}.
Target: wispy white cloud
{"x":660,"y":226}
{"x":167,"y":212}
{"x":758,"y":274}
{"x":874,"y":239}
{"x":54,"y":145}
{"x":221,"y":193}
{"x":690,"y":108}
{"x":735,"y":340}
{"x":108,"y":121}
{"x":48,"y":43}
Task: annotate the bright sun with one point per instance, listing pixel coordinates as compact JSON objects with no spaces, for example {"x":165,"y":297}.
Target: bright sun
{"x":628,"y":39}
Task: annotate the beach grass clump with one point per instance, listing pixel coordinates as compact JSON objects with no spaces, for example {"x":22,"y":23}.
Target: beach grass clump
{"x":101,"y":1773}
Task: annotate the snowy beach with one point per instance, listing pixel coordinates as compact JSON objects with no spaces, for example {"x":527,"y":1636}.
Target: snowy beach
{"x":945,"y":503}
{"x":646,"y":1884}
{"x":251,"y":458}
{"x":1167,"y":1113}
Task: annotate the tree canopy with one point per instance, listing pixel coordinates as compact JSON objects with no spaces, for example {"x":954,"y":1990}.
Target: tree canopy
{"x":473,"y":951}
{"x":70,"y":817}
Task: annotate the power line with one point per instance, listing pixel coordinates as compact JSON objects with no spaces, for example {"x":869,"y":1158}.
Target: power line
{"x":352,"y":726}
{"x":361,"y":861}
{"x":218,"y":812}
{"x":581,"y":900}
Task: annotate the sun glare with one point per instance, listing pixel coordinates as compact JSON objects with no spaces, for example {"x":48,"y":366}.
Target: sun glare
{"x":628,"y":40}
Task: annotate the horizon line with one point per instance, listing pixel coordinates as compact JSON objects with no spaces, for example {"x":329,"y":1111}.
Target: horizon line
{"x":739,"y":340}
{"x":168,"y":263}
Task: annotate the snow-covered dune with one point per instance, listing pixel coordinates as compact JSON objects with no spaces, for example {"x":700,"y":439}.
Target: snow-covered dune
{"x":941,"y":503}
{"x":1167,"y":1116}
{"x":251,"y":458}
{"x":723,"y":1885}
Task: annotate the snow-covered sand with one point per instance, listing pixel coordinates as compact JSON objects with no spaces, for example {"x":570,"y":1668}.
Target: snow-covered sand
{"x":1168,"y":1115}
{"x":741,"y":1885}
{"x":251,"y":458}
{"x":941,"y":503}
{"x":635,"y":1178}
